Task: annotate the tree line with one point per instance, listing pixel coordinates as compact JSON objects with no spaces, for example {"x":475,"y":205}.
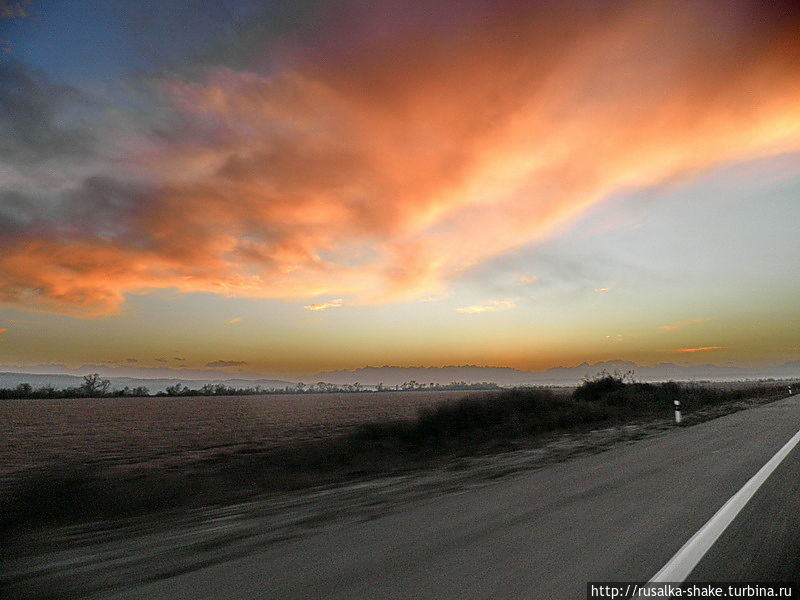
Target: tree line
{"x":94,"y":386}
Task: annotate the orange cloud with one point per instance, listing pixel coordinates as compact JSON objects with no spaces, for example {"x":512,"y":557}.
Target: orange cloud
{"x":234,"y":321}
{"x":3,"y":330}
{"x":701,"y":349}
{"x":492,"y":306}
{"x":381,"y":172}
{"x":337,"y":303}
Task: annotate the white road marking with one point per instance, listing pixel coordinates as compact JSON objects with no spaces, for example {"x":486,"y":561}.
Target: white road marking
{"x":686,"y":559}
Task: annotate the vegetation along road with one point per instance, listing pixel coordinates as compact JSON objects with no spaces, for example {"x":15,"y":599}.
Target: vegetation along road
{"x":618,"y":515}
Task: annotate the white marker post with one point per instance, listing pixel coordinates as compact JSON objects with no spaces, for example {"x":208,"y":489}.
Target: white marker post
{"x":677,"y":412}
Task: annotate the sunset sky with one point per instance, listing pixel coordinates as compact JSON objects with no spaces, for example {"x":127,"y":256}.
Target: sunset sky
{"x":291,"y":186}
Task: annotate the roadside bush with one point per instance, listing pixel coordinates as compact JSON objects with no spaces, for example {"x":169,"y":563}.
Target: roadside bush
{"x":602,"y":384}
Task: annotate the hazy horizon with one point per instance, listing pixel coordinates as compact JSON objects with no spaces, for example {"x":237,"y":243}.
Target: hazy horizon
{"x":372,"y":375}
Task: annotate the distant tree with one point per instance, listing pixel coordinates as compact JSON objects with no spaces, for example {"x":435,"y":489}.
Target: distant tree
{"x":176,"y":390}
{"x":93,"y":386}
{"x":48,"y":391}
{"x":24,"y":390}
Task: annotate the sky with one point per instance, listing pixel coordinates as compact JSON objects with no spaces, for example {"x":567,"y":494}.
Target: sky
{"x":286,"y":187}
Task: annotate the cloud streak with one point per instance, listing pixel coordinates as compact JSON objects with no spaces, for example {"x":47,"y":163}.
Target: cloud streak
{"x":380,"y":167}
{"x":492,"y":306}
{"x":526,"y":279}
{"x":223,"y":364}
{"x":700,"y":349}
{"x":681,"y":324}
{"x":337,"y":303}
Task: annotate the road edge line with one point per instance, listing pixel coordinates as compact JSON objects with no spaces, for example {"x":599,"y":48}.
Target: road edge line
{"x":685,"y":560}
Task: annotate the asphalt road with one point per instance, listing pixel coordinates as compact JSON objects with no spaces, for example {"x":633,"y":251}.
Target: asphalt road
{"x":617,"y":515}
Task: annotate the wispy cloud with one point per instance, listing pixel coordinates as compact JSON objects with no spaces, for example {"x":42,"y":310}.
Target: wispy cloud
{"x":491,"y":306}
{"x":682,"y":324}
{"x":336,"y":303}
{"x":602,"y":290}
{"x":614,"y":338}
{"x":234,"y":321}
{"x":701,"y":349}
{"x":222,"y":364}
{"x":526,"y":279}
{"x":433,"y":298}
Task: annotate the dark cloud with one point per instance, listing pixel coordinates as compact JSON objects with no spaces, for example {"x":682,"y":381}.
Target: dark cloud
{"x":17,"y":213}
{"x":100,"y":208}
{"x":105,"y":207}
{"x":221,"y":364}
{"x":33,"y":117}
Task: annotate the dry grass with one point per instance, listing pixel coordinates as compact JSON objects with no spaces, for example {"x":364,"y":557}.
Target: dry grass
{"x":473,"y":425}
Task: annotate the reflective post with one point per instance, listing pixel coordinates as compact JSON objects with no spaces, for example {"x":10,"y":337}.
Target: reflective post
{"x":677,"y":412}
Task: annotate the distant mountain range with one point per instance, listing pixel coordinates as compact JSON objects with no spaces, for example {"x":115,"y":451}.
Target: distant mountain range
{"x":556,"y":376}
{"x":157,"y":380}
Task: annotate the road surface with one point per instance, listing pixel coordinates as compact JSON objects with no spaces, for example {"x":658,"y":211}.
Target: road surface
{"x":617,"y":515}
